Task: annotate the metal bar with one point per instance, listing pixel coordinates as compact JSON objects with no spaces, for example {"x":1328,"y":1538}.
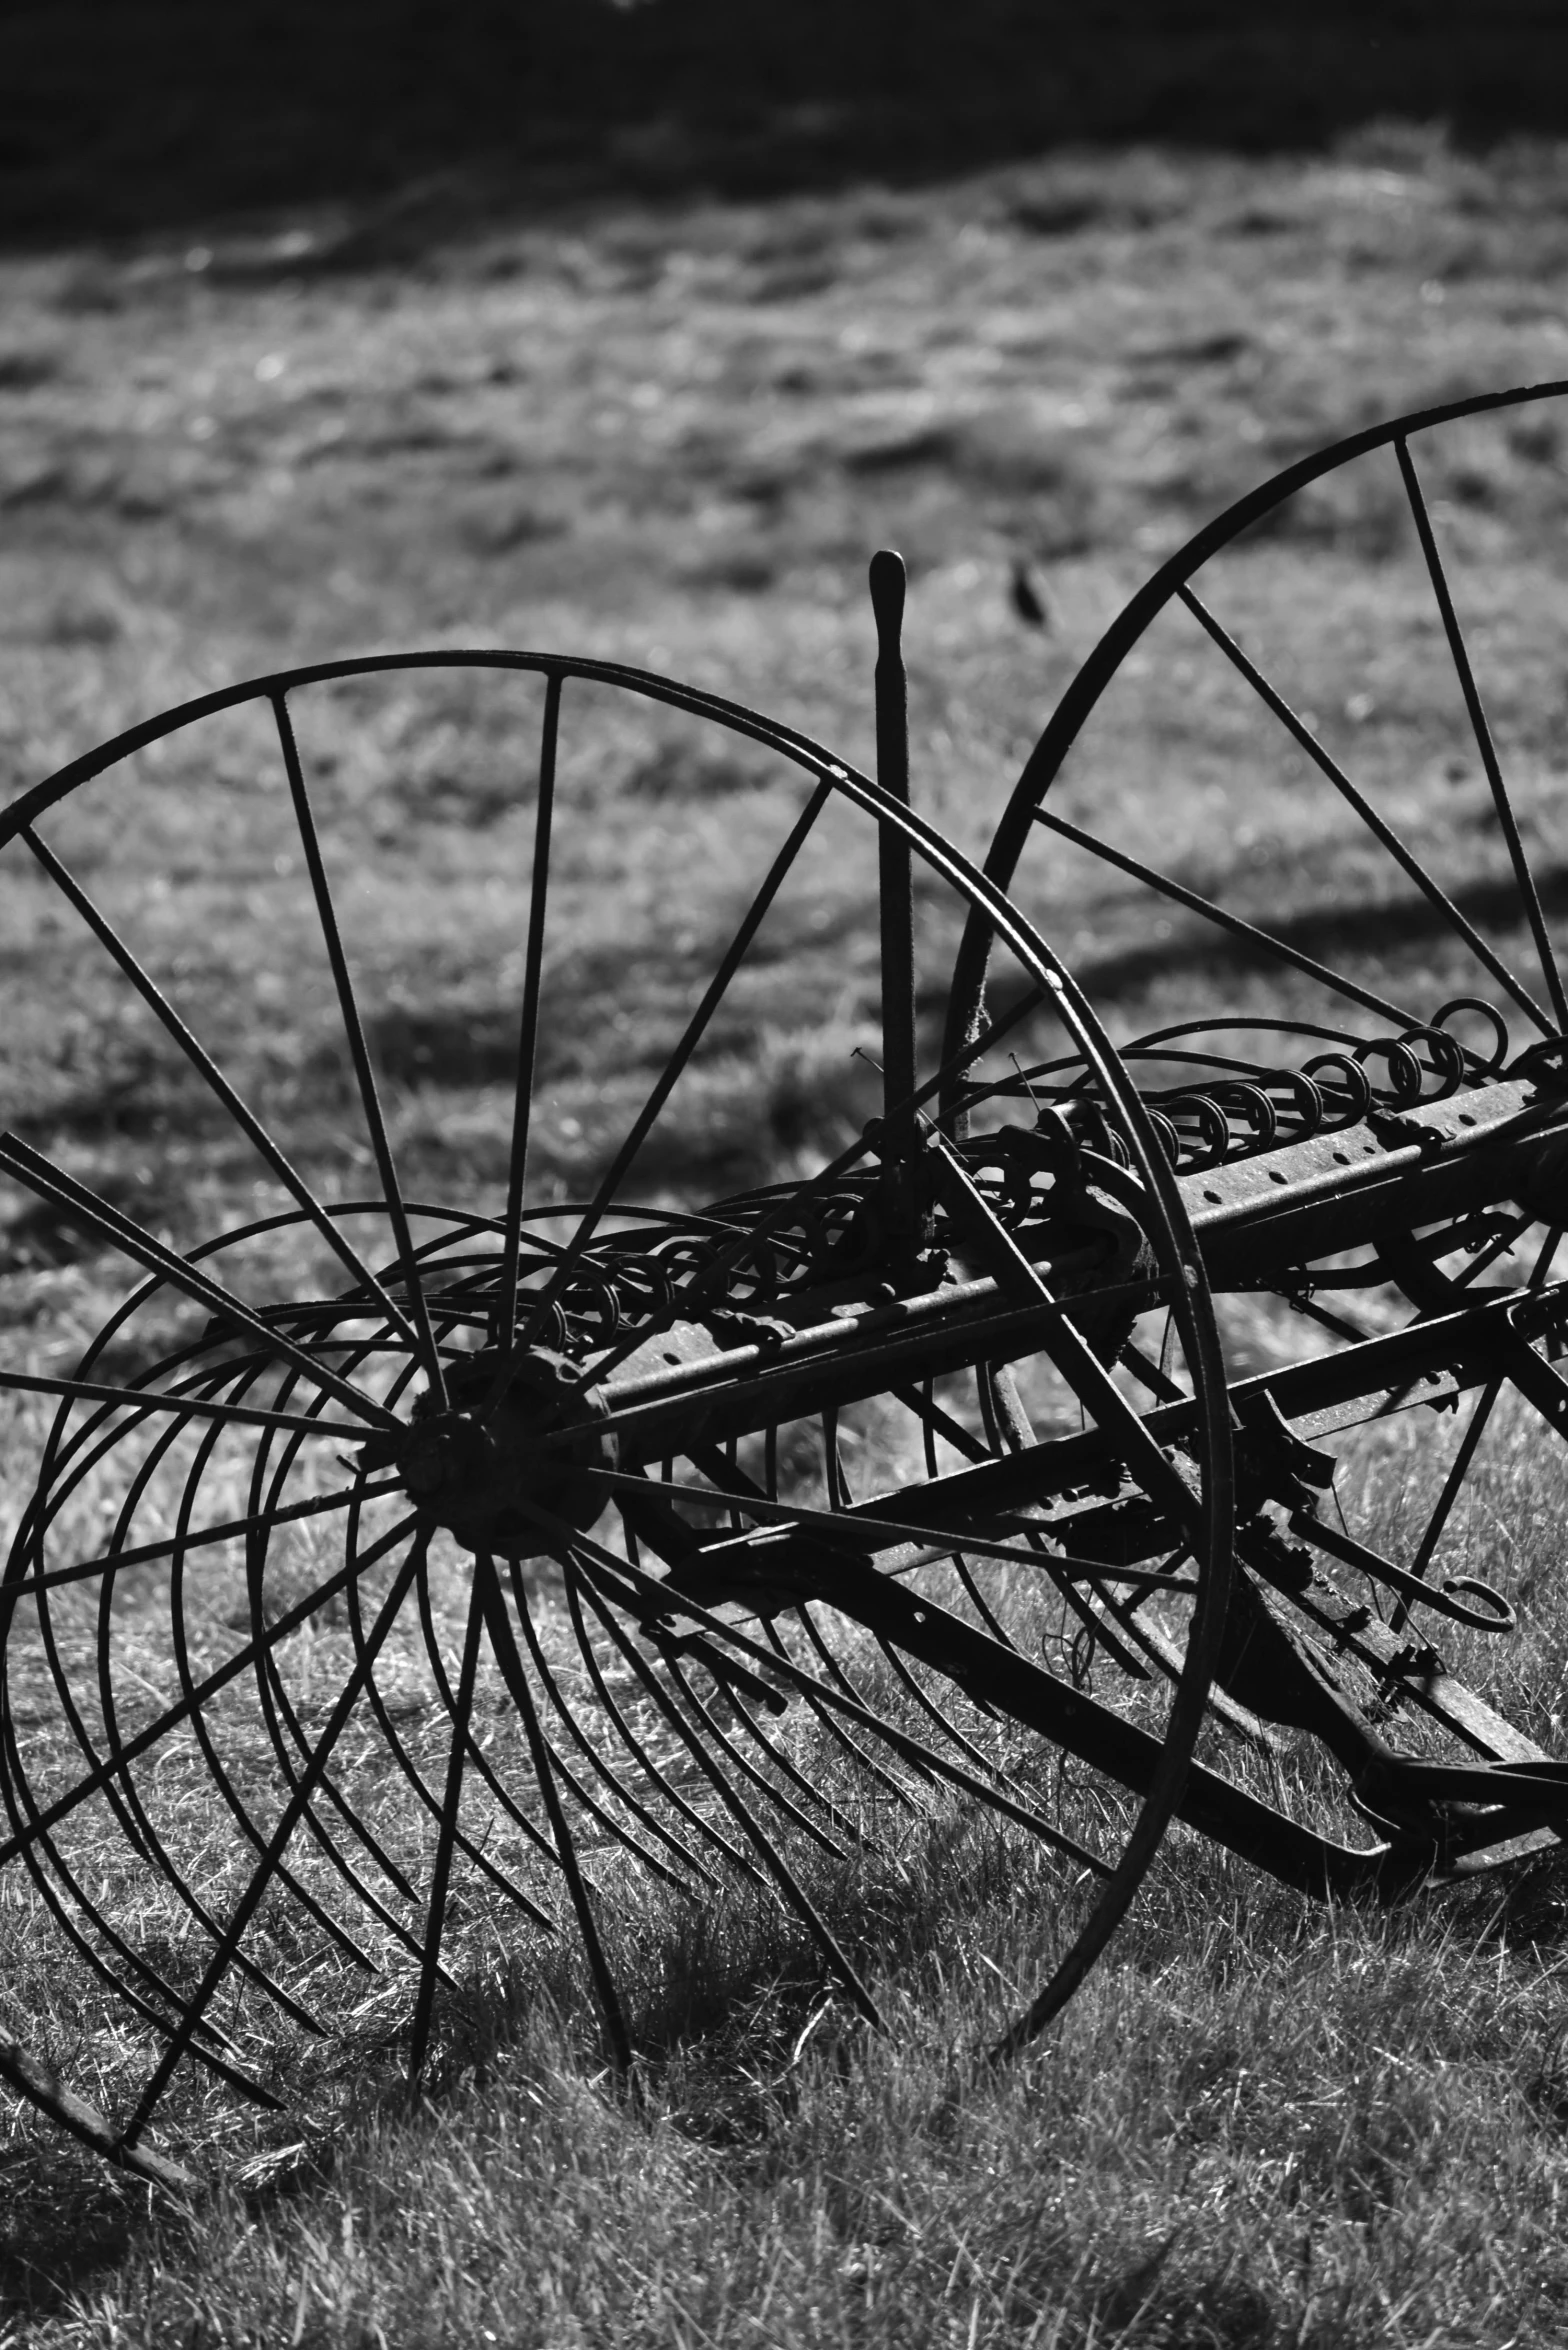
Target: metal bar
{"x":861,"y":1530}
{"x":1459,"y":1466}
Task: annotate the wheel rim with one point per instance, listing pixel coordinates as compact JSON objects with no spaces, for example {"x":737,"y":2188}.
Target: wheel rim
{"x":1412,"y":960}
{"x":233,"y":1656}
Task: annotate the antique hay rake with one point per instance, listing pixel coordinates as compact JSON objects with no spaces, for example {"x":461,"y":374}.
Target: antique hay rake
{"x":390,"y":1576}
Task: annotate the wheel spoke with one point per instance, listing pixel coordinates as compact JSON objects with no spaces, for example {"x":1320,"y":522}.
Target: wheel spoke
{"x":359,"y":1049}
{"x":528,"y":1022}
{"x":1384,"y":833}
{"x":143,"y":1554}
{"x":1459,"y":1467}
{"x":239,"y":1110}
{"x":1460,"y":654}
{"x":696,"y":1028}
{"x":51,"y":1182}
{"x":1262,"y":940}
{"x":194,"y":1407}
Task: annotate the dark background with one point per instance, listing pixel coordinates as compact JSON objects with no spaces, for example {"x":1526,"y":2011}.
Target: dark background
{"x":124,"y":117}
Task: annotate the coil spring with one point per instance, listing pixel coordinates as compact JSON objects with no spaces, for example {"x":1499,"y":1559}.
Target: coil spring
{"x":1236,"y":1117}
{"x":621,"y":1285}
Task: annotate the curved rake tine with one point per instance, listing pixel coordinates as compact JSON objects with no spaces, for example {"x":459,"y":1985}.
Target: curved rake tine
{"x":280,"y":1714}
{"x":487,"y":1582}
{"x":774,"y":1862}
{"x":261,"y":1876}
{"x":923,"y":1404}
{"x":425,"y":1796}
{"x":477,"y":1760}
{"x":1459,"y":653}
{"x":221,"y":1779}
{"x":837,"y":1732}
{"x":944,"y":1722}
{"x":642,"y":1673}
{"x":582,"y":1795}
{"x":643,"y":1594}
{"x":208,"y":1687}
{"x":773,"y":1794}
{"x":837,"y":1674}
{"x":124,"y":1796}
{"x":441,"y":1875}
{"x":36,"y":1845}
{"x":596,"y":1761}
{"x":284,"y":1725}
{"x":359,"y":1049}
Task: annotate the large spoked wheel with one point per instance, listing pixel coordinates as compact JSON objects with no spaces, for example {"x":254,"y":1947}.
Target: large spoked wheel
{"x":1299,"y":817}
{"x":440,"y":1525}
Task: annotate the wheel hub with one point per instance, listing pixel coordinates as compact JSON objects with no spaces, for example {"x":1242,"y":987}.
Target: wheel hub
{"x":481,"y":1467}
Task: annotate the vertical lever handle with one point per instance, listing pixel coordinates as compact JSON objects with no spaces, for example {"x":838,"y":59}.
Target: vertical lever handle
{"x":894,"y":866}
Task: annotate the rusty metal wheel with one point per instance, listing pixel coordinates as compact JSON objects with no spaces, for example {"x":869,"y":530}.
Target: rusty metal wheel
{"x":1342,"y":999}
{"x":397,"y":1587}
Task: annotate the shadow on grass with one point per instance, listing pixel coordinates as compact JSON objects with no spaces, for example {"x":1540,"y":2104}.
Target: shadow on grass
{"x":1337,"y":935}
{"x":68,"y":2223}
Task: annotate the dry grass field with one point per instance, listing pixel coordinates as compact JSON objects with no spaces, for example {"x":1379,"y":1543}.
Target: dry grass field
{"x":671,"y":436}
